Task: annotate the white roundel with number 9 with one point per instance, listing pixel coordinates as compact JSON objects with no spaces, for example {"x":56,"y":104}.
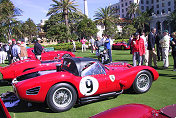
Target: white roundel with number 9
{"x":88,"y":85}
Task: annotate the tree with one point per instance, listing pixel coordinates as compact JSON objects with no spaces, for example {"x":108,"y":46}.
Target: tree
{"x":128,"y":30}
{"x":141,"y":21}
{"x":172,"y":20}
{"x":132,"y":10}
{"x":29,"y":29}
{"x":105,"y":16}
{"x":64,"y":7}
{"x":86,"y":28}
{"x":8,"y":12}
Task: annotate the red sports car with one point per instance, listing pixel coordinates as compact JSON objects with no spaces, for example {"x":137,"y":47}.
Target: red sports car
{"x":81,"y":80}
{"x":11,"y":71}
{"x":50,"y":55}
{"x":138,"y":111}
{"x":121,"y":46}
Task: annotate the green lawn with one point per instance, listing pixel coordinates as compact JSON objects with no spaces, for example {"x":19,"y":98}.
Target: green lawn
{"x":162,"y":93}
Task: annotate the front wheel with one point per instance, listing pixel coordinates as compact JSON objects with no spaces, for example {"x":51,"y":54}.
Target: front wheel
{"x":61,"y":97}
{"x":142,"y":82}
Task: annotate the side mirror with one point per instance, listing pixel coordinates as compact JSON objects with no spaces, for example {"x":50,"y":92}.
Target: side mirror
{"x":59,"y":67}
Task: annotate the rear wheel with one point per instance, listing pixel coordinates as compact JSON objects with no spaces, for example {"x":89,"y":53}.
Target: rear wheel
{"x":61,"y":97}
{"x":142,"y":82}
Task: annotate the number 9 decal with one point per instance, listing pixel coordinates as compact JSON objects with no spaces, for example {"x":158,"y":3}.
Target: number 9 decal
{"x":88,"y":85}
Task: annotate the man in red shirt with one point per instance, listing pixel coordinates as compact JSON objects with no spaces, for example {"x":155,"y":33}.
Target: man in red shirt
{"x":138,"y":49}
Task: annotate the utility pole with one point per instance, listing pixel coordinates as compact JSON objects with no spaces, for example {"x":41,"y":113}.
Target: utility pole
{"x":86,"y":8}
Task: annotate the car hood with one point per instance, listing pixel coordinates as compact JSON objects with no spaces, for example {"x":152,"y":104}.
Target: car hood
{"x":169,"y":110}
{"x":118,"y":64}
{"x":15,"y":64}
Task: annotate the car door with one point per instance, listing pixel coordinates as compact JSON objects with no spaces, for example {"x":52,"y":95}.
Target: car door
{"x":94,"y":81}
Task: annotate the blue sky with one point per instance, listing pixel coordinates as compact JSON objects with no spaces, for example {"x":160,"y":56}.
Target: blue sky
{"x":37,"y":9}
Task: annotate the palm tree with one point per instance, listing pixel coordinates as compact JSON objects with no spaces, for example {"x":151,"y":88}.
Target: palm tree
{"x":132,"y":10}
{"x":106,"y":17}
{"x":172,"y":20}
{"x":65,"y":7}
{"x":8,"y":12}
{"x":142,"y":20}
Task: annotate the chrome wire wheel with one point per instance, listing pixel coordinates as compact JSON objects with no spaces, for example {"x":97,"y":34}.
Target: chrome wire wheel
{"x":62,"y":97}
{"x":143,"y":82}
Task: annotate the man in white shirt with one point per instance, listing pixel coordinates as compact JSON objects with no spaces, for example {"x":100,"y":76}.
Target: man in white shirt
{"x":165,"y":43}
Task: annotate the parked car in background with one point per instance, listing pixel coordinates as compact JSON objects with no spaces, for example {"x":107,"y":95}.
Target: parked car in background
{"x":49,"y":54}
{"x":11,"y":71}
{"x":121,"y":46}
{"x":81,"y":80}
{"x":138,"y":111}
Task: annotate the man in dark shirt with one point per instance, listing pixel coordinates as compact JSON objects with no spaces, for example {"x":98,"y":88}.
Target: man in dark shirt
{"x":151,"y":47}
{"x":38,"y":49}
{"x":158,"y":45}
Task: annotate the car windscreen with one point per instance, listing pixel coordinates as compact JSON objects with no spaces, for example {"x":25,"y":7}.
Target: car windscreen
{"x":93,"y":69}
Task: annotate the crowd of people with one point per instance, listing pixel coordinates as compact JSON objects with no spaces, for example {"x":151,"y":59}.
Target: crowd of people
{"x":144,"y":48}
{"x":16,"y":50}
{"x":13,"y":51}
{"x":99,"y":45}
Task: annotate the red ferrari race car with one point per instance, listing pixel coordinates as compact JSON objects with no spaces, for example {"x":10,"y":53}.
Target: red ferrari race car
{"x":138,"y":111}
{"x":50,"y":55}
{"x":81,"y":80}
{"x":11,"y":71}
{"x":121,"y":46}
{"x":3,"y":110}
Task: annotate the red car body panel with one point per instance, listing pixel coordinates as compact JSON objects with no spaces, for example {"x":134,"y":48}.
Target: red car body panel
{"x":50,"y":55}
{"x":131,"y":111}
{"x":120,"y":45}
{"x":13,"y":70}
{"x":3,"y":110}
{"x":122,"y":75}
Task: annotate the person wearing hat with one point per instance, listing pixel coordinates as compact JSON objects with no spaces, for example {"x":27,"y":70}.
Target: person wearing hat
{"x":16,"y":52}
{"x":165,"y":44}
{"x":23,"y":53}
{"x":138,"y":49}
{"x":38,"y":49}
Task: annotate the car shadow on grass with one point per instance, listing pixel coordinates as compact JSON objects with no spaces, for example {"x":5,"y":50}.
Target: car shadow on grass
{"x":168,"y":75}
{"x":5,"y":83}
{"x":30,"y":107}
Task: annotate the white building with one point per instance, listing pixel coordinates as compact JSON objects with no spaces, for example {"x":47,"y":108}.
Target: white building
{"x":162,"y":8}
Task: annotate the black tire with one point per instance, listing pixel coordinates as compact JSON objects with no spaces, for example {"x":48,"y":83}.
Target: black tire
{"x":61,"y":97}
{"x":142,"y":82}
{"x":66,"y":55}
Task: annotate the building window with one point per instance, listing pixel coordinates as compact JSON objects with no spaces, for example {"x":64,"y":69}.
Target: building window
{"x":157,"y":12}
{"x":163,"y":5}
{"x":157,"y":0}
{"x":129,"y":2}
{"x":152,"y":7}
{"x":142,"y":7}
{"x":126,"y":4}
{"x":122,"y":5}
{"x":142,"y":2}
{"x":121,"y":0}
{"x":157,"y":6}
{"x":152,"y":1}
{"x":163,"y":11}
{"x":147,"y":7}
{"x":122,"y":10}
{"x":147,"y":2}
{"x":169,"y":3}
{"x":122,"y":15}
{"x":169,"y":9}
{"x":126,"y":9}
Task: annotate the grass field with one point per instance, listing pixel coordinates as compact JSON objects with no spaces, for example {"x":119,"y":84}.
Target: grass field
{"x":162,"y":93}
